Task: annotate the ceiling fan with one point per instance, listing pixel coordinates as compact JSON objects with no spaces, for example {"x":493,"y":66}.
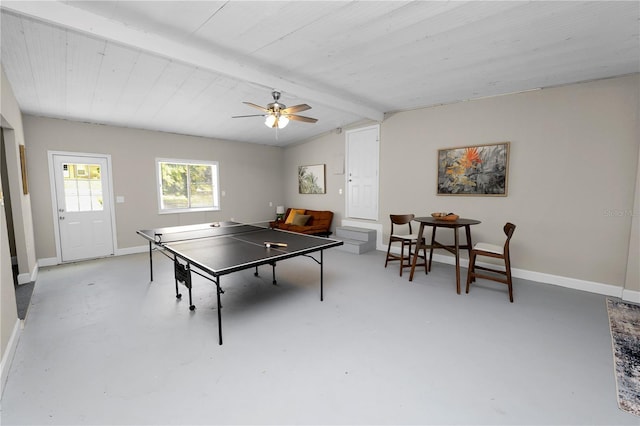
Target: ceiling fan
{"x":278,"y":115}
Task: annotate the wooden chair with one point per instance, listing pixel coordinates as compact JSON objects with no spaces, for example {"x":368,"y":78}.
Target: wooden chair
{"x":406,"y":240}
{"x":495,"y":251}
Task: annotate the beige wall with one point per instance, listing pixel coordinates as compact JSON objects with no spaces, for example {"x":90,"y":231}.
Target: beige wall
{"x":11,"y":120}
{"x":633,"y":263}
{"x":573,"y":170}
{"x":20,"y":203}
{"x":8,"y":311}
{"x":250,"y":175}
{"x":328,"y":150}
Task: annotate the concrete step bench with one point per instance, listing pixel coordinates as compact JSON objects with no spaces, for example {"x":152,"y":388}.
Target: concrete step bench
{"x":356,"y":240}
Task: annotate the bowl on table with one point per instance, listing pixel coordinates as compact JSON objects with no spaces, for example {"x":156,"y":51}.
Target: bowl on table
{"x":445,"y":216}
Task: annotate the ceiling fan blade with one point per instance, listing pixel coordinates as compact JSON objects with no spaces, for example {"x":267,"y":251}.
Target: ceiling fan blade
{"x":302,"y":118}
{"x":252,"y":115}
{"x":256,"y":106}
{"x":295,"y":108}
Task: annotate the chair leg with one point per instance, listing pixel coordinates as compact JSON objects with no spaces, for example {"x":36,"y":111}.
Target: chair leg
{"x":426,"y":265}
{"x":388,"y":251}
{"x":507,"y":265}
{"x":433,"y":239}
{"x":470,"y":270}
{"x":425,"y":262}
{"x":405,"y":259}
{"x":402,"y":256}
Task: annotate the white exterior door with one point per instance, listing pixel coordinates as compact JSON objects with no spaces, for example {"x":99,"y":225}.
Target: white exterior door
{"x":83,"y":206}
{"x":363,"y":147}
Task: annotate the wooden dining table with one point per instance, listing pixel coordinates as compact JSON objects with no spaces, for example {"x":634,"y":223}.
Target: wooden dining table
{"x":454,"y":249}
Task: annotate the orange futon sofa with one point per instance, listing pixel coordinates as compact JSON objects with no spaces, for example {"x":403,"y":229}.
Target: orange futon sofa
{"x":311,"y":222}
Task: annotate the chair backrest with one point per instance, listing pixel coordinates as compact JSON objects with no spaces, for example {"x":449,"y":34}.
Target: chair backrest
{"x":401,"y":219}
{"x":509,"y":228}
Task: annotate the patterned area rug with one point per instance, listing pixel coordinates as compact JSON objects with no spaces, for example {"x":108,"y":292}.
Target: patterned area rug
{"x":624,"y":320}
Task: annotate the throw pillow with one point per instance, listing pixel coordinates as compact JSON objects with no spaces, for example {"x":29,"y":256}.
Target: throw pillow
{"x":300,"y":219}
{"x":292,"y":214}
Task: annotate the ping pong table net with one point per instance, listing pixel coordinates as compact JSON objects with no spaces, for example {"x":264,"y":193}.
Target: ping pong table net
{"x":202,"y":231}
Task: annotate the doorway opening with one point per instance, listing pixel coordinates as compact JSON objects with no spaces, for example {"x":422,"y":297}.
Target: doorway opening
{"x":23,"y":291}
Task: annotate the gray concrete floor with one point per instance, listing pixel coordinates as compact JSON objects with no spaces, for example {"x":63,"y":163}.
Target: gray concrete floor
{"x":102,"y":345}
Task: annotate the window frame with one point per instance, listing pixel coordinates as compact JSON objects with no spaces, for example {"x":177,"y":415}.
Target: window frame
{"x":215,"y":177}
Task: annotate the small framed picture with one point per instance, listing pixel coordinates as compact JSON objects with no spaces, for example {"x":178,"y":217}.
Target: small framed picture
{"x":311,"y":179}
{"x":23,"y":168}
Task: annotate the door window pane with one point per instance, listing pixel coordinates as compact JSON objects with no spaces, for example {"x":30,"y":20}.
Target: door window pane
{"x":82,"y":187}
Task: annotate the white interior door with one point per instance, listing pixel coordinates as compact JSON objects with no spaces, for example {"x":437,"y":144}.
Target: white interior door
{"x":363,"y":147}
{"x":83,"y":206}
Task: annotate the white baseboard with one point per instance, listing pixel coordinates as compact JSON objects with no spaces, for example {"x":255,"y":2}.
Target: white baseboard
{"x":8,"y":355}
{"x":583,"y":285}
{"x":26,"y":278}
{"x":573,"y":283}
{"x":132,"y":250}
{"x":541,"y":277}
{"x":567,"y":282}
{"x":631,"y":296}
{"x":48,"y":261}
{"x":52,"y":261}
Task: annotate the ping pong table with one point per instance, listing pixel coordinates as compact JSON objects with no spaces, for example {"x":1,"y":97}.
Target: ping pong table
{"x":212,"y":250}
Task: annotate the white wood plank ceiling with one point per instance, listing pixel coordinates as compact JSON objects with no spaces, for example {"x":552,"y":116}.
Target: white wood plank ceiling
{"x":185,"y":67}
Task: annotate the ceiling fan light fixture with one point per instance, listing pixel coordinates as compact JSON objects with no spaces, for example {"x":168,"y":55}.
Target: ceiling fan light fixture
{"x":277,"y":115}
{"x":271,"y":119}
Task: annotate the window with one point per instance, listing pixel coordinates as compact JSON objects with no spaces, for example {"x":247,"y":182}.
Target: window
{"x":185,"y":185}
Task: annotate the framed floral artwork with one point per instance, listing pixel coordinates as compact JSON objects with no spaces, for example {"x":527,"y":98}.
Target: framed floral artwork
{"x":311,"y":179}
{"x":474,"y":170}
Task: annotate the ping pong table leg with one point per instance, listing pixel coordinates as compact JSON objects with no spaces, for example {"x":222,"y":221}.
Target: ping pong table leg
{"x":218,"y":291}
{"x":191,"y":305}
{"x":151,"y":260}
{"x":321,"y":277}
{"x":178,"y":295}
{"x":273,"y":267}
{"x":176,"y":276}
